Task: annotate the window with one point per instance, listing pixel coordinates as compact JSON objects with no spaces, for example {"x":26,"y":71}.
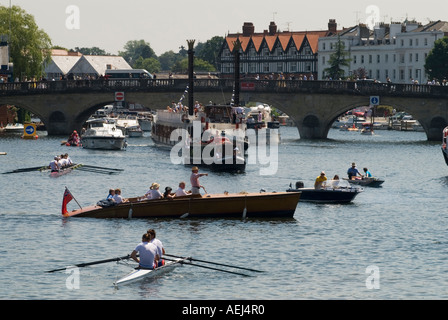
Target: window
{"x":354,"y":59}
{"x":387,"y":58}
{"x":378,"y":58}
{"x":370,"y":58}
{"x":416,"y":57}
{"x":362,"y":59}
{"x":410,"y":57}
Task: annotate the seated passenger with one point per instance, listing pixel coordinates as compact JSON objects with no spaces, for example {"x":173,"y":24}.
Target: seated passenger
{"x":153,"y":193}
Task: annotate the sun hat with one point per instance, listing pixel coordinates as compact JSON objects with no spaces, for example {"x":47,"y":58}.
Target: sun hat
{"x":155,"y":185}
{"x":194,"y":169}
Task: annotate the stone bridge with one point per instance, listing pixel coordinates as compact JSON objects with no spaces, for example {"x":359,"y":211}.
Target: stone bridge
{"x":64,"y":106}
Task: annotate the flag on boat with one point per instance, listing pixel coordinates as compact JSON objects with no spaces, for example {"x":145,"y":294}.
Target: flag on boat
{"x":65,"y":200}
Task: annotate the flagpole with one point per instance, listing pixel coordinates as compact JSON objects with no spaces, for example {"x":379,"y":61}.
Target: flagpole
{"x":73,"y":197}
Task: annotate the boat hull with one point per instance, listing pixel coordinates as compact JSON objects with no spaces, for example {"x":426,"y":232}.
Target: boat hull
{"x":104,"y":143}
{"x":268,"y":205}
{"x":367,"y":182}
{"x":327,"y":196}
{"x":140,"y":274}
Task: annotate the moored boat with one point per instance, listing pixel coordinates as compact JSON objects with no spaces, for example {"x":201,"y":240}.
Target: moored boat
{"x":140,"y":274}
{"x":263,"y":204}
{"x":103,"y":134}
{"x":14,"y":128}
{"x":332,"y":191}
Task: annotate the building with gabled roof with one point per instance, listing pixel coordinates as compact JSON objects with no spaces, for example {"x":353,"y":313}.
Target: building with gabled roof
{"x":61,"y":63}
{"x":95,"y":66}
{"x":68,"y":64}
{"x":267,"y":54}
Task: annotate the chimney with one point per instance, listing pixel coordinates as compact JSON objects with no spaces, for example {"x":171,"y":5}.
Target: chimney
{"x":272,"y":28}
{"x":248,"y":29}
{"x":332,"y":26}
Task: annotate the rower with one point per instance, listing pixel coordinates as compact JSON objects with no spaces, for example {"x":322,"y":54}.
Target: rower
{"x":54,"y":165}
{"x":158,"y":243}
{"x":147,"y":253}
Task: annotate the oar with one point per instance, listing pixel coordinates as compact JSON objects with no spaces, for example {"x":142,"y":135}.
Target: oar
{"x":215,"y":263}
{"x":80,"y":265}
{"x":104,"y":168}
{"x":96,"y":171}
{"x":211,"y":268}
{"x":27,"y":169}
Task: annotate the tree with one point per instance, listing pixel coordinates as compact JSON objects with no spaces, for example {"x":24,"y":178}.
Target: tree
{"x":135,"y":49}
{"x":209,"y":50}
{"x":199,"y":65}
{"x":29,"y":46}
{"x":436,"y":65}
{"x":93,"y":51}
{"x":337,"y":61}
{"x":150,"y":64}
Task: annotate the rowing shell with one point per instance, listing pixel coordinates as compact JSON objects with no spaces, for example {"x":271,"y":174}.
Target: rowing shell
{"x":140,"y":274}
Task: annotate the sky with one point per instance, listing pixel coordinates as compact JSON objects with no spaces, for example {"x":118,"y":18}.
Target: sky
{"x":167,"y":25}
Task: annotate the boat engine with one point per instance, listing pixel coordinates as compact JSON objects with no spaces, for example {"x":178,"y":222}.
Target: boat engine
{"x":299,"y":184}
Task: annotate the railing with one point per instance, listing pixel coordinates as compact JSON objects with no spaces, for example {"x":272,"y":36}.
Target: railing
{"x":219,"y":85}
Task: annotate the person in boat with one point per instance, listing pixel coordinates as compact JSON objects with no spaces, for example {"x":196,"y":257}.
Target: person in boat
{"x":111,"y":194}
{"x":68,"y":159}
{"x":180,"y":192}
{"x":117,"y":196}
{"x":147,"y":252}
{"x":159,"y":244}
{"x":167,"y":194}
{"x":153,"y":193}
{"x":367,"y":173}
{"x":74,"y":139}
{"x":54,"y":165}
{"x":353,"y":172}
{"x":194,"y":180}
{"x":320,"y":180}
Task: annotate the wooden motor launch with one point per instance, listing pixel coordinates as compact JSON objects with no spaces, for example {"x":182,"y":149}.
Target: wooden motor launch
{"x":263,"y":204}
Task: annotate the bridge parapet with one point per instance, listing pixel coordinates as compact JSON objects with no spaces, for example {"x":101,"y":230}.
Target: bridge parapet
{"x":218,"y":85}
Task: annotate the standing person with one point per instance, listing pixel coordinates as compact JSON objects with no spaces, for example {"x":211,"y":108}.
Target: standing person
{"x":320,"y":180}
{"x":147,"y":253}
{"x":181,"y":190}
{"x":159,"y":245}
{"x":367,"y":172}
{"x":352,"y":172}
{"x":54,"y":165}
{"x":194,"y":180}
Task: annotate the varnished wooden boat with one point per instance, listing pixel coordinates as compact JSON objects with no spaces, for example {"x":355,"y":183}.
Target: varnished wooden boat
{"x":266,"y":204}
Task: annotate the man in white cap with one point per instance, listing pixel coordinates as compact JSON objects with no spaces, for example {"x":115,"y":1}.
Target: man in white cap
{"x":320,"y":180}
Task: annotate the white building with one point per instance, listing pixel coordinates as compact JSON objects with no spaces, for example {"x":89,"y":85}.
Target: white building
{"x":397,"y":51}
{"x":65,"y":64}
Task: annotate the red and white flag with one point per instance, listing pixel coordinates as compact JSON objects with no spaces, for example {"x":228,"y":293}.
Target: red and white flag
{"x":66,"y":199}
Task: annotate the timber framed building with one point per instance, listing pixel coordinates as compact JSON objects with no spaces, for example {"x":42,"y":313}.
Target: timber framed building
{"x":271,"y":53}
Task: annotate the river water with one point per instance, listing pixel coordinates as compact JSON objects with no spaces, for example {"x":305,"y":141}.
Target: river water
{"x":390,"y":243}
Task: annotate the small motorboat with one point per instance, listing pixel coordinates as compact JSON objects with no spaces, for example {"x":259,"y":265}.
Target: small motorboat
{"x":14,"y":128}
{"x":366,"y":181}
{"x":332,"y":191}
{"x":103,"y":134}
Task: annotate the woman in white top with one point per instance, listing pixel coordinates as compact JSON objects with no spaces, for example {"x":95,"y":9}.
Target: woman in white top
{"x":153,"y":193}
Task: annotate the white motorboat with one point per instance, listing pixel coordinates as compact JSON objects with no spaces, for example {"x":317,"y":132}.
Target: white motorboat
{"x":129,"y":125}
{"x":103,"y":134}
{"x":139,"y":274}
{"x":14,"y":128}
